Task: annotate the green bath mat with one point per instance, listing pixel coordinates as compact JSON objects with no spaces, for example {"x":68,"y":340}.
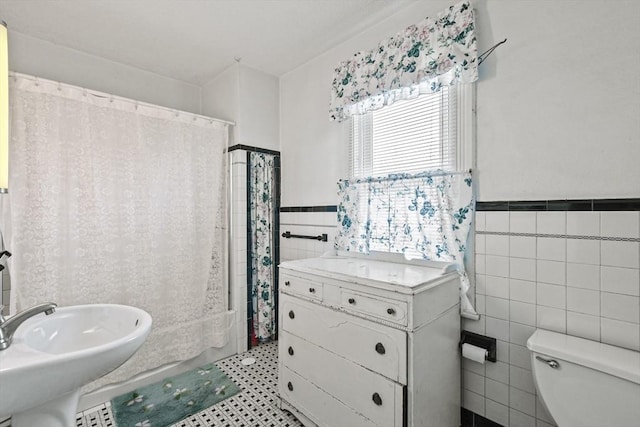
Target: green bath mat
{"x":172,"y":399}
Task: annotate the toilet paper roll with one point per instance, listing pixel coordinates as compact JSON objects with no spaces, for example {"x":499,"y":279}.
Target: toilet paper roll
{"x":471,"y":352}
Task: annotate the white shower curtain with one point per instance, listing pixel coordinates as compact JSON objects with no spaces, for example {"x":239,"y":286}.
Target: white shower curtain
{"x":112,"y":201}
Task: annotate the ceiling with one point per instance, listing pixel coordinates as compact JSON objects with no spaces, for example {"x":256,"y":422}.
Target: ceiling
{"x":194,"y":40}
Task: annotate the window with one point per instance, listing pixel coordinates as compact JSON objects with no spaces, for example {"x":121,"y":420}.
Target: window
{"x":409,"y":136}
{"x":432,"y":131}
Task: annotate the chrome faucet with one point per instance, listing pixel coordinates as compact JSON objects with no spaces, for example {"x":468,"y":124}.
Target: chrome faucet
{"x":8,"y":326}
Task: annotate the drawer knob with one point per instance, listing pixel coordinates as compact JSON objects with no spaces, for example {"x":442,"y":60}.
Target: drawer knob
{"x":291,"y":314}
{"x":287,"y":283}
{"x":312,"y":290}
{"x":376,"y":398}
{"x":290,"y":351}
{"x":290,"y":386}
{"x":391,"y":311}
{"x":380,"y":348}
{"x":352,"y":300}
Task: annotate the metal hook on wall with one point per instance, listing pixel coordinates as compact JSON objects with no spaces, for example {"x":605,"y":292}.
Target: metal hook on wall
{"x":489,"y":51}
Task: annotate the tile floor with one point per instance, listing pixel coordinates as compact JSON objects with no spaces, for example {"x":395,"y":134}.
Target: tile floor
{"x":255,"y":406}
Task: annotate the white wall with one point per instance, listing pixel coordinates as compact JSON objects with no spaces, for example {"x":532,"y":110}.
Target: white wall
{"x":250,"y":98}
{"x":313,"y":148}
{"x":259,"y":109}
{"x":221,"y":96}
{"x":47,"y":60}
{"x":557,"y":104}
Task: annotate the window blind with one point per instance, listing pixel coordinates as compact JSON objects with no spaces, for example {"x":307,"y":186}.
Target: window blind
{"x":407,"y":137}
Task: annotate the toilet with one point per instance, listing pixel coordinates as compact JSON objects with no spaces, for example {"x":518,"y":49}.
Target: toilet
{"x":585,"y":383}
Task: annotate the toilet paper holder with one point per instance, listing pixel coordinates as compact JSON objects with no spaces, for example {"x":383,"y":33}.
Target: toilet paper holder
{"x":482,"y":341}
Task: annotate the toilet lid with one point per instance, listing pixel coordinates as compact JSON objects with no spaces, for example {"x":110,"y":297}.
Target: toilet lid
{"x":617,"y":361}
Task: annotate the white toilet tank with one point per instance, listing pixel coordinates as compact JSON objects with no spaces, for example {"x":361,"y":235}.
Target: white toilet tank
{"x":585,"y":383}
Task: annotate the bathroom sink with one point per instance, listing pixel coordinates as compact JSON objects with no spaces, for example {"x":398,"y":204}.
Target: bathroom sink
{"x":53,"y":356}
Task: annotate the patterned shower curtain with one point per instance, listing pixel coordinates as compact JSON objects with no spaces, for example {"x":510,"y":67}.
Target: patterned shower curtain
{"x":261,"y":188}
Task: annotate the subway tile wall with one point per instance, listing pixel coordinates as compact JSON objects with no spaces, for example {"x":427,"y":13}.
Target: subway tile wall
{"x":308,"y":224}
{"x":574,"y":272}
{"x":238,"y":245}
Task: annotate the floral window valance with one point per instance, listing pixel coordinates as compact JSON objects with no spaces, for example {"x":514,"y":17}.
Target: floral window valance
{"x":436,"y":52}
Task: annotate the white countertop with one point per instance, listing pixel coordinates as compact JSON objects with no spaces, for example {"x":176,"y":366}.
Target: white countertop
{"x":383,"y":270}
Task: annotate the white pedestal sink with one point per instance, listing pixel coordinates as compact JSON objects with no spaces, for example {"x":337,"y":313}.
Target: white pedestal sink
{"x":53,"y":356}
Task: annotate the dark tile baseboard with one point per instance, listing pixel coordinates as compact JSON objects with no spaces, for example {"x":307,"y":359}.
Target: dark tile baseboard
{"x":328,"y":208}
{"x":471,"y":419}
{"x":561,"y":205}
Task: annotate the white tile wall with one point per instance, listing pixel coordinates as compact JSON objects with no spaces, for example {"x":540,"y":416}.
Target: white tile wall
{"x":551,"y":222}
{"x":585,"y":276}
{"x":522,"y":269}
{"x":497,"y":265}
{"x":583,"y":223}
{"x":551,"y":248}
{"x":583,"y":251}
{"x":583,"y":301}
{"x":497,"y":412}
{"x":620,"y":224}
{"x":620,"y":280}
{"x":623,"y":334}
{"x":497,"y":221}
{"x":551,"y":272}
{"x":519,"y":419}
{"x":620,"y":254}
{"x":498,"y":371}
{"x":473,"y":401}
{"x":563,"y":271}
{"x":308,"y":224}
{"x":522,"y":222}
{"x":583,"y":325}
{"x":553,"y":319}
{"x":522,"y":290}
{"x":238,"y":245}
{"x":521,"y":247}
{"x":497,"y":391}
{"x":499,"y":307}
{"x":551,"y":295}
{"x":497,"y":286}
{"x":497,"y":245}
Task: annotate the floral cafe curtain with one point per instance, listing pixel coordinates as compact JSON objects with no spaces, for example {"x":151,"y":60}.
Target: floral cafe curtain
{"x":426,"y":215}
{"x":262,"y":263}
{"x":436,"y":52}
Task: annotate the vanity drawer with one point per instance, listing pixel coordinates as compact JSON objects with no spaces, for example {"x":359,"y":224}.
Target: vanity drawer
{"x":372,"y":395}
{"x":303,"y":287}
{"x":314,"y":402}
{"x":379,"y":348}
{"x":385,"y":309}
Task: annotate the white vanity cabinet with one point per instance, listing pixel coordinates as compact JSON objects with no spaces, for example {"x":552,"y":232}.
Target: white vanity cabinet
{"x":369,"y":341}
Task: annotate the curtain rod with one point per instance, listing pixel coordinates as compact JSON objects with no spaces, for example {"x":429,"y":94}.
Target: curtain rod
{"x":103,"y":95}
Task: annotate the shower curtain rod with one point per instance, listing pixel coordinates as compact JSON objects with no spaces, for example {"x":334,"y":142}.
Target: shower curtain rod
{"x":98,"y":94}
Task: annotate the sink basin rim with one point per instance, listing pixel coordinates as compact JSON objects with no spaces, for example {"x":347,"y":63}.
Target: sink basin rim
{"x":22,"y":356}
